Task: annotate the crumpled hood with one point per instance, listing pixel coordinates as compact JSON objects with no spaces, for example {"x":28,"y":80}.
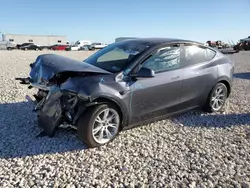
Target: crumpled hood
{"x":48,"y":65}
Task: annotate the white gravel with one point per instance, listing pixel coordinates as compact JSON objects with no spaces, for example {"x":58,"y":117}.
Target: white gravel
{"x":190,"y":150}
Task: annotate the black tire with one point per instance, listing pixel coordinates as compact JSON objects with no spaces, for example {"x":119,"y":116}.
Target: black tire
{"x":209,"y":103}
{"x":85,"y":124}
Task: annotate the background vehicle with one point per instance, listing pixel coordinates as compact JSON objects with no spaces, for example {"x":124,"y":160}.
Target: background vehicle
{"x":127,"y":82}
{"x":30,"y":47}
{"x":78,"y":45}
{"x":85,"y":47}
{"x":97,"y":45}
{"x":59,"y":47}
{"x":4,"y":45}
{"x":24,"y":44}
{"x":218,"y":44}
{"x":222,"y":47}
{"x":243,"y":44}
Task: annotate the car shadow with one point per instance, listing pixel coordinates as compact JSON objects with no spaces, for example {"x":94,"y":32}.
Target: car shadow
{"x":243,"y":75}
{"x":19,"y":134}
{"x":19,"y":130}
{"x":198,"y":118}
{"x":220,"y":120}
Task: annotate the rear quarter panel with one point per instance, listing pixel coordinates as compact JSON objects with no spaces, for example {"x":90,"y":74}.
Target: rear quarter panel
{"x":198,"y":81}
{"x":225,"y":68}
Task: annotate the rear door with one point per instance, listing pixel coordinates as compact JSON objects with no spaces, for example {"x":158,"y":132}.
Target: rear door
{"x":162,"y":92}
{"x":199,"y":73}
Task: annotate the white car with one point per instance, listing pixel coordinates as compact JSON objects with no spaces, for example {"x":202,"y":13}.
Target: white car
{"x":97,"y":46}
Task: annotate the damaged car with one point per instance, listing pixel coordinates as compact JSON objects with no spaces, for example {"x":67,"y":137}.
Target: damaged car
{"x":125,"y":83}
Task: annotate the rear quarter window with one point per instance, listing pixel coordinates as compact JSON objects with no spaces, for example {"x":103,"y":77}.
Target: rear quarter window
{"x":193,"y":54}
{"x":210,"y":54}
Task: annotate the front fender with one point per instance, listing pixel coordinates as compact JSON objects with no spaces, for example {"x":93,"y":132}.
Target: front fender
{"x":91,"y":90}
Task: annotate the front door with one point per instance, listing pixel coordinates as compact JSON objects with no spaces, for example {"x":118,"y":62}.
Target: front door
{"x":162,"y":92}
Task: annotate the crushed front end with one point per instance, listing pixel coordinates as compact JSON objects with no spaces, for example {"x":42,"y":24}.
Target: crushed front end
{"x":59,"y":108}
{"x":58,"y":102}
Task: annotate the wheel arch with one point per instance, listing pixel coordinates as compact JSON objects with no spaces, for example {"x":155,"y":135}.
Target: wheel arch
{"x":227,"y":83}
{"x":122,"y":110}
{"x":223,"y":80}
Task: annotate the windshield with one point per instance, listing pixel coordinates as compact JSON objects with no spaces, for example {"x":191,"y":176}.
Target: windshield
{"x":116,"y":56}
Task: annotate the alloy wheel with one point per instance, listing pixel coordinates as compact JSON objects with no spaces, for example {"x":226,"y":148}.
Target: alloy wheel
{"x":218,"y":98}
{"x":106,"y":125}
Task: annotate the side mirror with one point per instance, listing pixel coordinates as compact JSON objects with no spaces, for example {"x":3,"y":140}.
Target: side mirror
{"x":145,"y":73}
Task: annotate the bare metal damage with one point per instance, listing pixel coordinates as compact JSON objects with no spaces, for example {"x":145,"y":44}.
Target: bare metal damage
{"x":66,"y":88}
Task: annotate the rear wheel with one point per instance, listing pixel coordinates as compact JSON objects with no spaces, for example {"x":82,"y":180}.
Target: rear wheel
{"x":217,"y":98}
{"x":99,"y":125}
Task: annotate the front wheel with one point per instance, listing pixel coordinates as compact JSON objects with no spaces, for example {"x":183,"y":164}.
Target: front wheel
{"x":217,"y":98}
{"x":99,"y":125}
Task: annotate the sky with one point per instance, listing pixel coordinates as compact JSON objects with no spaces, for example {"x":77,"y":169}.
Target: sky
{"x":105,"y":20}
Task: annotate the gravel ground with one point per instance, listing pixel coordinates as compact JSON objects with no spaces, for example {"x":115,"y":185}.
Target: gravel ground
{"x":190,"y":150}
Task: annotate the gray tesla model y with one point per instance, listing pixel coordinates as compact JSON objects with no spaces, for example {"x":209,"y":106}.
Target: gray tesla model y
{"x":126,"y":82}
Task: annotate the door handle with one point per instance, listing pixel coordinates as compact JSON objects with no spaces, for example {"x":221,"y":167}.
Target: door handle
{"x":175,"y":78}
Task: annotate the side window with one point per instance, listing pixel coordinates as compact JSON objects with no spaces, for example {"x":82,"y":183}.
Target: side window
{"x":193,"y":54}
{"x":164,"y":59}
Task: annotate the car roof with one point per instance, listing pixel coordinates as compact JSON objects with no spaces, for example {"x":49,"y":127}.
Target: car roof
{"x":158,"y":41}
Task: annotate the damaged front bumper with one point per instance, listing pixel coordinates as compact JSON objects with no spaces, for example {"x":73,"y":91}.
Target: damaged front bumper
{"x":60,"y":108}
{"x":49,"y":111}
{"x":57,"y":106}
